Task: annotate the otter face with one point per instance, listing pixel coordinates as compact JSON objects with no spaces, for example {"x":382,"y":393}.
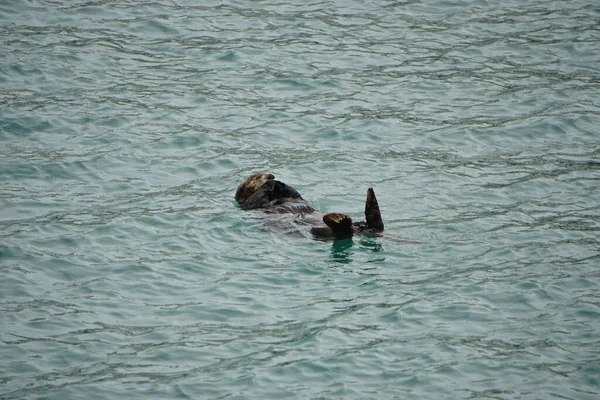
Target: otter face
{"x":251,"y":185}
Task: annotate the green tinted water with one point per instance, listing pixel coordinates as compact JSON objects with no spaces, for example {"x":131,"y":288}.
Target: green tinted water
{"x":127,"y":270}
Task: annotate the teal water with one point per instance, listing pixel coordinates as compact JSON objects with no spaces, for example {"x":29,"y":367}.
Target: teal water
{"x":128,"y":271}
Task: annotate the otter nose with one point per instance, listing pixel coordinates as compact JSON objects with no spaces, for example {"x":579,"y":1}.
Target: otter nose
{"x":270,"y":177}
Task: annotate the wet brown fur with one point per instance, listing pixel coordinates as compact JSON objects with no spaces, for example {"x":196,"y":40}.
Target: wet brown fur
{"x":262,"y":191}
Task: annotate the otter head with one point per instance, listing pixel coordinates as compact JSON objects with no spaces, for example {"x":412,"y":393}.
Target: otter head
{"x":252,"y":185}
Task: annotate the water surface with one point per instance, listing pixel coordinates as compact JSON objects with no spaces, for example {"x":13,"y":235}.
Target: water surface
{"x":128,"y":271}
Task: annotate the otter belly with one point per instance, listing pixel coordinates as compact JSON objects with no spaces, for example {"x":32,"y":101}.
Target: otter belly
{"x":290,"y":207}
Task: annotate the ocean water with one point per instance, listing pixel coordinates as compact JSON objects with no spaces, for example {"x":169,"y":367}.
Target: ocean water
{"x":128,"y":271}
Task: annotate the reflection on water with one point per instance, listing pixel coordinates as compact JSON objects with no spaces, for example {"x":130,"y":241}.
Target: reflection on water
{"x":341,"y":250}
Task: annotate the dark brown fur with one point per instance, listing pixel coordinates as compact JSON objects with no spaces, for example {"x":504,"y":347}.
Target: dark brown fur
{"x":262,"y":191}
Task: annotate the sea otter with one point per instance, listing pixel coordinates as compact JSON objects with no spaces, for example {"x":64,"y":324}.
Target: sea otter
{"x":262,"y":191}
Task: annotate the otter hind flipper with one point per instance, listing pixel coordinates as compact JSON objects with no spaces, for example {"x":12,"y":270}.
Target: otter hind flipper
{"x":340,"y":224}
{"x":372,"y":213}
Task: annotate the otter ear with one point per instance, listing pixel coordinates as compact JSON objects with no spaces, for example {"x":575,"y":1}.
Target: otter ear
{"x":372,"y":213}
{"x":340,"y":224}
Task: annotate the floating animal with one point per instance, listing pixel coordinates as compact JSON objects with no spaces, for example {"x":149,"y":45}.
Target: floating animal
{"x":263,"y":192}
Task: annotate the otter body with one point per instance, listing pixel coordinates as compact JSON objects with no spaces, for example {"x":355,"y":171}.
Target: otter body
{"x":263,"y":192}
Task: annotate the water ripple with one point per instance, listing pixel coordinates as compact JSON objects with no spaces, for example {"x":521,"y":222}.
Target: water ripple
{"x":127,"y":268}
